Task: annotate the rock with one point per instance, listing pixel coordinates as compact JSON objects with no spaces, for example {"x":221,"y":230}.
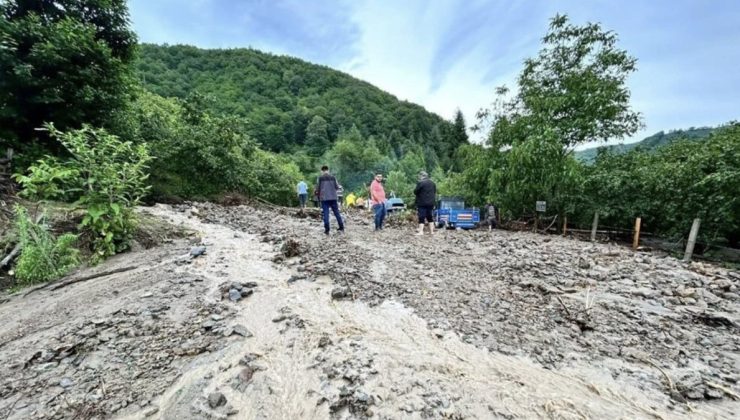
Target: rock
{"x":216,"y":317}
{"x":216,"y":399}
{"x":246,"y":292}
{"x":340,"y":293}
{"x":147,"y":295}
{"x":87,"y":332}
{"x":242,"y":331}
{"x":713,"y":394}
{"x":645,"y":292}
{"x":151,"y":411}
{"x":324,"y":341}
{"x":197,"y":251}
{"x":234,"y":295}
{"x":685,"y":293}
{"x":66,"y":382}
{"x":723,"y":284}
{"x":710,"y":297}
{"x":280,"y":318}
{"x":242,"y":380}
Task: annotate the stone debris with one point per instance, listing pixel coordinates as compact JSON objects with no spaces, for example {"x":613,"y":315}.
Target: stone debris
{"x":340,"y":293}
{"x":564,"y":304}
{"x":216,"y":399}
{"x":197,"y":251}
{"x":559,"y":301}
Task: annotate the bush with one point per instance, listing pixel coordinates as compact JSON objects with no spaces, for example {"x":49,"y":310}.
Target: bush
{"x":43,"y":257}
{"x":110,"y":180}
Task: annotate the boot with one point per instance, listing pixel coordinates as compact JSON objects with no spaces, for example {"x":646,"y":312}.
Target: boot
{"x":431,"y":228}
{"x":421,"y":230}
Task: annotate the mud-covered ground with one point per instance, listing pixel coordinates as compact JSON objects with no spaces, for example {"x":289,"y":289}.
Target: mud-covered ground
{"x":569,"y":305}
{"x":259,"y":315}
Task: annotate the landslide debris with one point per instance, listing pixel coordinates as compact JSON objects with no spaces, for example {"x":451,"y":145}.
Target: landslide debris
{"x":564,"y":303}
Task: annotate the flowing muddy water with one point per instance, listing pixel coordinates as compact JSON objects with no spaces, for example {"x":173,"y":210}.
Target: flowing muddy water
{"x":159,"y":342}
{"x":314,"y":357}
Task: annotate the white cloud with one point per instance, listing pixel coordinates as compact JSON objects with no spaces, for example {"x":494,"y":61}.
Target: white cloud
{"x":446,"y":54}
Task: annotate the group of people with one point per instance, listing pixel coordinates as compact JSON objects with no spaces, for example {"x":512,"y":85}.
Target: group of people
{"x":326,"y":193}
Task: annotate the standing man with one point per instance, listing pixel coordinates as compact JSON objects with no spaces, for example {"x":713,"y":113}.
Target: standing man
{"x":426,"y":194}
{"x":326,"y":188}
{"x":377,"y":199}
{"x":491,"y":214}
{"x":302,"y":190}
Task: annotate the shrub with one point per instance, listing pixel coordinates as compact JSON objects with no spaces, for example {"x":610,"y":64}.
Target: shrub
{"x":110,"y":180}
{"x":43,"y":257}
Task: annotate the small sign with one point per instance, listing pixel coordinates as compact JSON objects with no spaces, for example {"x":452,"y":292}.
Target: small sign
{"x":541,"y":206}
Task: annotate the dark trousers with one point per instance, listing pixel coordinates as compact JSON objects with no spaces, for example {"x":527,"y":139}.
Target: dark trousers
{"x":425,"y":214}
{"x":334,"y":206}
{"x":379,"y":210}
{"x":302,"y":198}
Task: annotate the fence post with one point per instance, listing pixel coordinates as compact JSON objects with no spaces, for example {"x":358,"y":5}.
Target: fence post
{"x":595,"y":226}
{"x":692,"y":240}
{"x":636,"y":239}
{"x":565,"y":225}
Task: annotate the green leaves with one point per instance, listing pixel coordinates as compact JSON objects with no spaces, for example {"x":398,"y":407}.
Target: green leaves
{"x":282,"y":98}
{"x":106,"y":175}
{"x":43,"y":257}
{"x":572,"y":92}
{"x":61,"y":61}
{"x":670,"y":186}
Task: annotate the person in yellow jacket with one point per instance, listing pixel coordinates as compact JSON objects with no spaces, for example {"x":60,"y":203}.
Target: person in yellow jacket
{"x":349,"y":201}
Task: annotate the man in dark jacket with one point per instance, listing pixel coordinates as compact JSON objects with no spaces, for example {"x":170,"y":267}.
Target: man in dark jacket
{"x":426,"y":195}
{"x":326,"y":189}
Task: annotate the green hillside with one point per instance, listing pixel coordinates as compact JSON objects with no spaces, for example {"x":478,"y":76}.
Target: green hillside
{"x":281,"y":95}
{"x":653,"y":142}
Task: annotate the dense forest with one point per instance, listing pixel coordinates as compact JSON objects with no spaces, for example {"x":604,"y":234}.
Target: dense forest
{"x":281,"y":96}
{"x":653,"y":142}
{"x":102,"y":121}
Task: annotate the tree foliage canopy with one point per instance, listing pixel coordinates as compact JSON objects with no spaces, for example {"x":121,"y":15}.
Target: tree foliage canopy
{"x":280,"y":96}
{"x":62,"y":61}
{"x":572,"y":92}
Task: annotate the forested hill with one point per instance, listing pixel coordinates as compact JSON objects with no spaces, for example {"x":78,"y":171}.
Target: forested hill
{"x":280,"y":96}
{"x":653,"y":142}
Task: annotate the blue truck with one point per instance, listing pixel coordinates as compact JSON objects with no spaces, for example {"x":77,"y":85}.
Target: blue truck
{"x":451,"y":213}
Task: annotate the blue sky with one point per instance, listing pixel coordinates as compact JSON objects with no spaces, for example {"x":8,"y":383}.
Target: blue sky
{"x":446,"y":54}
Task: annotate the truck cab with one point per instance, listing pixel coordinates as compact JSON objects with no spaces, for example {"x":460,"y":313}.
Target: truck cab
{"x":394,"y":204}
{"x":451,"y":213}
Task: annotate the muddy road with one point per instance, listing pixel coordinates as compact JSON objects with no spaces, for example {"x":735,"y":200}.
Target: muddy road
{"x":266,"y":321}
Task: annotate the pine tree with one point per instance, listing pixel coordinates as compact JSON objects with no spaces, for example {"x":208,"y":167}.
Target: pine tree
{"x":459,"y":133}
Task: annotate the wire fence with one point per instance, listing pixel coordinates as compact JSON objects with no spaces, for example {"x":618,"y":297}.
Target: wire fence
{"x":674,"y":245}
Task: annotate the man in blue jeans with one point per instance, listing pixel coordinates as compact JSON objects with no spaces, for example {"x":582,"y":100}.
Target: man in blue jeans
{"x":377,"y":198}
{"x":326,"y":188}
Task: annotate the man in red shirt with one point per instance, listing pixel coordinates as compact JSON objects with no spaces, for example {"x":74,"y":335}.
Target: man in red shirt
{"x":377,"y":199}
